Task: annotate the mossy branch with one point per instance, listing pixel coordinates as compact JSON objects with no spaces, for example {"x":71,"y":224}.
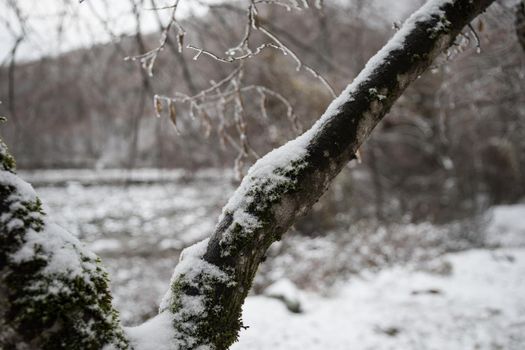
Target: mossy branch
{"x":47,"y":304}
{"x":287,"y":182}
{"x":54,"y":293}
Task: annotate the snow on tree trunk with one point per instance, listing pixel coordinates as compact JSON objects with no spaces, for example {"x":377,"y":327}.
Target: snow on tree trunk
{"x":205,"y":298}
{"x":53,"y":293}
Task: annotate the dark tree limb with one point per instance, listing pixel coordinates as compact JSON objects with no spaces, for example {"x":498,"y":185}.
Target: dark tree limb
{"x":211,"y":282}
{"x":54,"y":294}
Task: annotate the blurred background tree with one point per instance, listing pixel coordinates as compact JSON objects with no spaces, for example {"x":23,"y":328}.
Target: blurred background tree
{"x":453,"y":145}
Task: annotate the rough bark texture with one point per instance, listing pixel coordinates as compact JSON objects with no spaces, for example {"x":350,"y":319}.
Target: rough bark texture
{"x":237,"y":249}
{"x":54,"y":294}
{"x":45,"y":305}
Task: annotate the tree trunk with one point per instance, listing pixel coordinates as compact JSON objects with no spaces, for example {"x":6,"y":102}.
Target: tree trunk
{"x":288,"y":181}
{"x":57,"y":295}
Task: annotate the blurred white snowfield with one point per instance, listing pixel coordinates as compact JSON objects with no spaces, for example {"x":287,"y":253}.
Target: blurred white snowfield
{"x":480,"y":305}
{"x":405,"y":286}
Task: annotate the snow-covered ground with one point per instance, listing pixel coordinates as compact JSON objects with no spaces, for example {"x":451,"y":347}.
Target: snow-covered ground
{"x":395,"y":287}
{"x":473,"y":299}
{"x":479,"y":305}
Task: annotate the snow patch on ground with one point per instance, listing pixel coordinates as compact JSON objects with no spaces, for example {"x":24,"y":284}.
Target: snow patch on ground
{"x":479,"y":306}
{"x":507,"y":225}
{"x":286,"y":291}
{"x":105,"y":245}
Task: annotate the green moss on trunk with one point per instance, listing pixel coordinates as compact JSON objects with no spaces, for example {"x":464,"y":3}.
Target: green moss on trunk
{"x":43,"y":306}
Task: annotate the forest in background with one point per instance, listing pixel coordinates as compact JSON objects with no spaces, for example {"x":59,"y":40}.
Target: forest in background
{"x":418,"y":245}
{"x":452,"y":146}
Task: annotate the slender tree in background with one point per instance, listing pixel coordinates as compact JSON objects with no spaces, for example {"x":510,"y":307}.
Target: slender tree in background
{"x":520,"y":23}
{"x":54,"y":294}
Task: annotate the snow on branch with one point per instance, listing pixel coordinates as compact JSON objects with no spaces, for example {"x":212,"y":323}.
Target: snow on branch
{"x":54,"y":293}
{"x":289,"y":180}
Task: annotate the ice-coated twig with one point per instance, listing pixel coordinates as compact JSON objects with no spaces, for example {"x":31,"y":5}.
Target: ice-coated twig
{"x":149,"y":58}
{"x":227,"y":94}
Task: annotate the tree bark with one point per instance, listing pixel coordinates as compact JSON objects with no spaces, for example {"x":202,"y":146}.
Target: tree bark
{"x":287,"y":182}
{"x":53,"y":293}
